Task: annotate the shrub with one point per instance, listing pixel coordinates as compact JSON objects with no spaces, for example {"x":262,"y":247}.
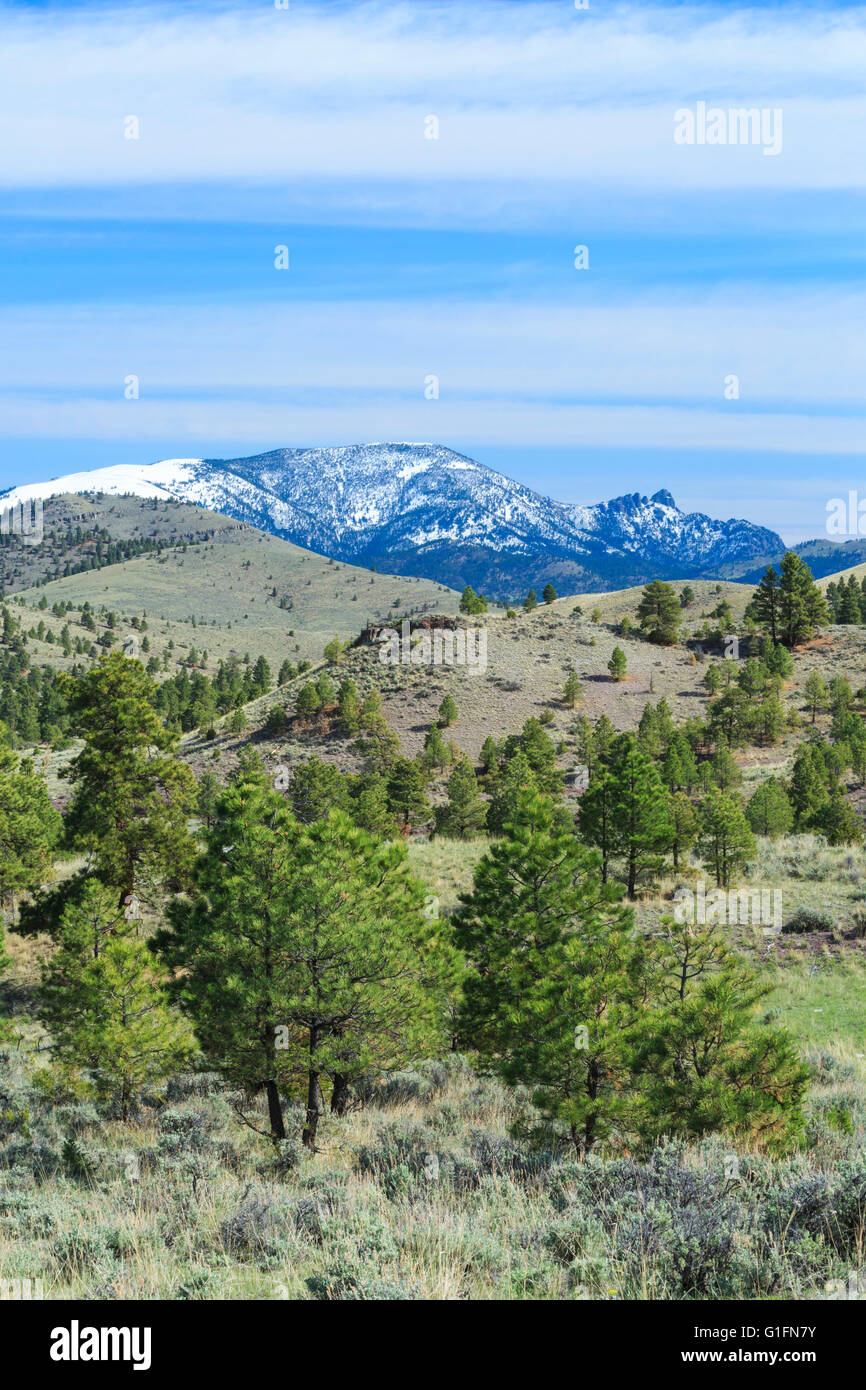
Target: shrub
{"x":807,"y":919}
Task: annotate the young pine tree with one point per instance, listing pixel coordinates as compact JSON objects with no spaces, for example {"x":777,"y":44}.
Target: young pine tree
{"x":659,"y":612}
{"x":29,"y":829}
{"x":725,"y":837}
{"x":617,"y":664}
{"x":641,"y":825}
{"x":407,"y":799}
{"x":104,"y":999}
{"x":705,"y":1062}
{"x":466,"y":812}
{"x":550,"y":998}
{"x":304,"y":953}
{"x":573,"y":690}
{"x":769,"y":810}
{"x":131,"y":796}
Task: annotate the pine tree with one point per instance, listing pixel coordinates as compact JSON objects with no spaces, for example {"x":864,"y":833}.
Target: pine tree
{"x":729,"y":718}
{"x":304,"y":953}
{"x":548,"y":593}
{"x":262,"y":676}
{"x":769,"y":810}
{"x":809,"y":786}
{"x":839,"y":821}
{"x":659,"y":612}
{"x":540,"y":751}
{"x":505,"y":787}
{"x":725,"y":838}
{"x":841,"y":694}
{"x":780,"y":663}
{"x":406,"y":796}
{"x":554,"y":973}
{"x":309,"y":700}
{"x":447,"y":713}
{"x":208,"y":796}
{"x":349,"y":707}
{"x":29,"y":829}
{"x":325,"y":689}
{"x":316,"y":789}
{"x":470,"y":602}
{"x":769,"y":719}
{"x":131,"y":796}
{"x":573,"y":689}
{"x":103,"y":996}
{"x":490,"y":754}
{"x":378,"y":743}
{"x":641,"y":825}
{"x":586,"y":743}
{"x":370,"y":805}
{"x":705,"y":1063}
{"x":597,"y":816}
{"x":726,"y":773}
{"x":531,"y":601}
{"x":648,"y":732}
{"x":617,"y":664}
{"x":466,"y":812}
{"x":816,"y":692}
{"x":753,"y":677}
{"x":802,"y":606}
{"x":684,"y":825}
{"x":436,"y":752}
{"x":765,"y":602}
{"x":848,"y":610}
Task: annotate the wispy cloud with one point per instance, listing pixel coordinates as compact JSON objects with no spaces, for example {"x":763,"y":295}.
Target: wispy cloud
{"x":524,"y":92}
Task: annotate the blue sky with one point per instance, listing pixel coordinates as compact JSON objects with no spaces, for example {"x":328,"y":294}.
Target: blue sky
{"x":450,"y":257}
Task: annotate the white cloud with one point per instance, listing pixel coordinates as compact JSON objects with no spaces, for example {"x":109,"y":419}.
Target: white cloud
{"x":187,"y":421}
{"x":800,"y":351}
{"x":523,"y":92}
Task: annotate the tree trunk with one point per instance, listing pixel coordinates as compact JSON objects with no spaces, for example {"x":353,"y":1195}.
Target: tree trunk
{"x":314,"y":1096}
{"x":275,"y":1110}
{"x":314,"y":1110}
{"x":340,"y":1094}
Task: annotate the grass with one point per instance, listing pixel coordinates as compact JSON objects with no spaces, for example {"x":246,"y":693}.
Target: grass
{"x":217,"y":594}
{"x":420,"y":1194}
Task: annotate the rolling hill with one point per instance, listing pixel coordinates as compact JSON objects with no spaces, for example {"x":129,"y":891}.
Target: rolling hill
{"x":233,"y":590}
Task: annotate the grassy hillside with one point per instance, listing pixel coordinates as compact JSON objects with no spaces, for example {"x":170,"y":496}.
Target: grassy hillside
{"x":237,"y":591}
{"x":528,"y":660}
{"x":75,"y":528}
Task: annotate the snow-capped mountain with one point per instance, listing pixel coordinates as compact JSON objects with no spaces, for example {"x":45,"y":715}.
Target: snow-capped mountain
{"x":424,"y":509}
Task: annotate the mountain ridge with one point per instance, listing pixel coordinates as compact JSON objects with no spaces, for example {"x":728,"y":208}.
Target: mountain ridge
{"x":417,"y":508}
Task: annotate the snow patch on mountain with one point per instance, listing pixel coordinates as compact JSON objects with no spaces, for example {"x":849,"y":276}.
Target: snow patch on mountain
{"x":374,"y":501}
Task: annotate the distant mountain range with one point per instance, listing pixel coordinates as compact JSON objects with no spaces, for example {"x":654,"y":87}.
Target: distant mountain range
{"x":422,"y":509}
